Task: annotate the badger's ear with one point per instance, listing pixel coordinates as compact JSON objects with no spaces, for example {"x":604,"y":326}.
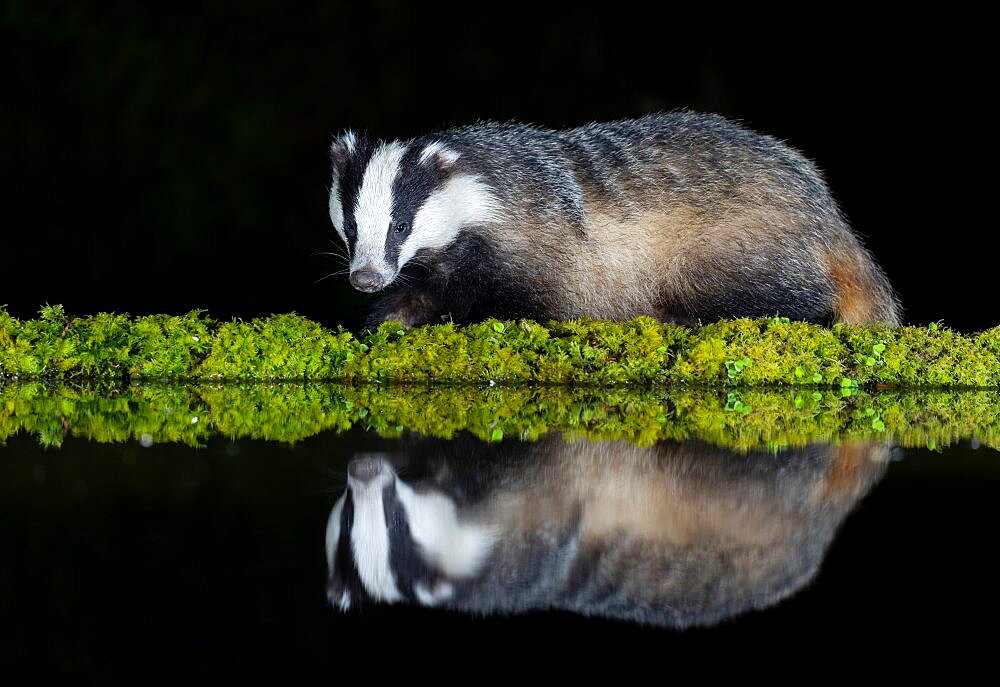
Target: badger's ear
{"x":341,"y":150}
{"x":439,"y":155}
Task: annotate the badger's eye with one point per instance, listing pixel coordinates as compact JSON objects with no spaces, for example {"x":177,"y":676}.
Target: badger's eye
{"x":401,"y":227}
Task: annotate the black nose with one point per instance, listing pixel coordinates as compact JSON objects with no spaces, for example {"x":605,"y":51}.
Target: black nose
{"x":364,"y":469}
{"x":367,"y":281}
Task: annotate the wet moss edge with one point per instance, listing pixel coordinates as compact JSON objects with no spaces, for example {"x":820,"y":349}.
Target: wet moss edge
{"x":740,"y":419}
{"x":189,"y":347}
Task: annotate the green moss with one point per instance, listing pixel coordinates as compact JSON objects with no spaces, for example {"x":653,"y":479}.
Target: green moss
{"x":278,"y":347}
{"x":741,"y":419}
{"x":731,"y":353}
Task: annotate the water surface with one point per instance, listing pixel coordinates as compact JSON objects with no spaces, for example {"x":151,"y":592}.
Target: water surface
{"x":145,"y":554}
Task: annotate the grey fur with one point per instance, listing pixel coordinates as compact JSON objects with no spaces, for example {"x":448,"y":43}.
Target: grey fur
{"x":683,"y":216}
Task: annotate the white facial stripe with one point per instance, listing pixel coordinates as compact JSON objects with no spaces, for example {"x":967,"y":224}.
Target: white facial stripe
{"x":438,"y":149}
{"x":337,"y":209}
{"x":332,"y":542}
{"x":370,"y":539}
{"x":347,"y":141}
{"x":373,"y":212}
{"x":333,"y":531}
{"x":463,"y":200}
{"x":455,"y":548}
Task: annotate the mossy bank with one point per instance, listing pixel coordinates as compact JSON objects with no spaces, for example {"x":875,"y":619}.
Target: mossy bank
{"x":640,"y":352}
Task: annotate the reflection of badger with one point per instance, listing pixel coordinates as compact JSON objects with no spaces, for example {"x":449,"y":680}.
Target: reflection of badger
{"x":676,"y":534}
{"x":681,"y":216}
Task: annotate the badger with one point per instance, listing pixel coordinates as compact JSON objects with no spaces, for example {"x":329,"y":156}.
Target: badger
{"x":681,"y":216}
{"x":673,"y":535}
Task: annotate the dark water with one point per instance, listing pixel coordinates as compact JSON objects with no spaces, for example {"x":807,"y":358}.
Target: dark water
{"x":124,"y":562}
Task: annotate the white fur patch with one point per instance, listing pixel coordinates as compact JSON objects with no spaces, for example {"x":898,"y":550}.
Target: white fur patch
{"x":441,"y":151}
{"x":350,"y":141}
{"x":373,"y":212}
{"x":449,"y":545}
{"x":370,"y":537}
{"x":465,"y":199}
{"x":337,"y":209}
{"x":333,"y":531}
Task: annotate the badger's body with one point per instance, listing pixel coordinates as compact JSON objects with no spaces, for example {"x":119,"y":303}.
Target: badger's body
{"x":674,"y":534}
{"x":685,"y":217}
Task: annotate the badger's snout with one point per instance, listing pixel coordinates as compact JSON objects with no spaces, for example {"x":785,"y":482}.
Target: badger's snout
{"x":367,"y":280}
{"x":368,"y":473}
{"x":365,"y":469}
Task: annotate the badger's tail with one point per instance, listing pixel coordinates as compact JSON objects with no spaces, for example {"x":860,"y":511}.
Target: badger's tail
{"x":863,"y":294}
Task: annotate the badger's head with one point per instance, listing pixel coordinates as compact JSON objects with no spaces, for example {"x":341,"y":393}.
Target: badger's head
{"x":386,"y":541}
{"x":389,"y":200}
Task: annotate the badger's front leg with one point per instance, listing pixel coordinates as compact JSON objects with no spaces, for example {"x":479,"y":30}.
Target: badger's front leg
{"x":411,"y":307}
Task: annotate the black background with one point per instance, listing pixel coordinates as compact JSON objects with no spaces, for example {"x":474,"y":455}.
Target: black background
{"x":161,"y":161}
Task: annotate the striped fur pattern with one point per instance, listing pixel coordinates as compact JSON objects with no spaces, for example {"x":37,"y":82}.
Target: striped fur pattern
{"x":682,"y":216}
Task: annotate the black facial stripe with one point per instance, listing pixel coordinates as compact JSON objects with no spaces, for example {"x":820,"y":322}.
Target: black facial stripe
{"x":351,"y":175}
{"x":407,"y":565}
{"x":410,"y":189}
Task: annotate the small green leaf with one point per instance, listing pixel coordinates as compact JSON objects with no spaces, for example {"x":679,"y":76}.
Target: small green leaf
{"x":798,"y":401}
{"x":878,"y":348}
{"x":800,"y":372}
{"x":869,"y":361}
{"x":497,"y":434}
{"x":498,"y":327}
{"x":364,"y":348}
{"x":661,"y":350}
{"x":933,"y":326}
{"x":817,"y":396}
{"x":878,"y":425}
{"x":847,"y":382}
{"x":817,"y":378}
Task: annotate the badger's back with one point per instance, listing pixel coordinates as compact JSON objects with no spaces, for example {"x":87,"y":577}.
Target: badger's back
{"x":681,"y":216}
